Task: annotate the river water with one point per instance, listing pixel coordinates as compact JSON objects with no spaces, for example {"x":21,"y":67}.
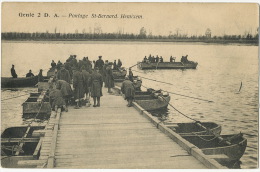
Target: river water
{"x":217,"y":78}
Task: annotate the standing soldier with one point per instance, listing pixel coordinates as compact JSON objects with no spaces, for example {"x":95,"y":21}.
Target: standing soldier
{"x":119,"y":63}
{"x":105,"y":72}
{"x":128,"y":90}
{"x":13,"y":73}
{"x":63,"y":74}
{"x":78,"y":86}
{"x":131,"y":75}
{"x":86,"y":80}
{"x":110,"y":77}
{"x":96,"y":86}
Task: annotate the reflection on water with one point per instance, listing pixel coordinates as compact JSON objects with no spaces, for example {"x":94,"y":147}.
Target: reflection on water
{"x":220,"y":71}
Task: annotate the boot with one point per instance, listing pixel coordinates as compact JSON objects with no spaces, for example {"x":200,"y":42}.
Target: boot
{"x":98,"y":101}
{"x":94,"y":99}
{"x":80,"y":103}
{"x":65,"y":108}
{"x":77,"y":106}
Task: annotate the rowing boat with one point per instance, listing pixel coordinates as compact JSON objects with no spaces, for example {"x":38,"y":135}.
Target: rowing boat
{"x":151,"y":99}
{"x":8,"y":82}
{"x":18,"y":144}
{"x":167,"y":65}
{"x":211,"y":146}
{"x":194,"y":128}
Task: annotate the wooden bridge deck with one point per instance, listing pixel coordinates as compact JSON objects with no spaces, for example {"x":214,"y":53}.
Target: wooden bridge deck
{"x":115,"y":136}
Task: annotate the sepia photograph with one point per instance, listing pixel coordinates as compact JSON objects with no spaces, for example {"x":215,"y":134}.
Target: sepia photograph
{"x":129,"y":85}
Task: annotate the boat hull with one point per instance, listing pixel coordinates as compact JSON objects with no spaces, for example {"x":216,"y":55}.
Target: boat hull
{"x":154,"y":104}
{"x":213,"y":147}
{"x":34,"y":105}
{"x":7,"y":82}
{"x":11,"y":137}
{"x":184,"y":129}
{"x":167,"y":65}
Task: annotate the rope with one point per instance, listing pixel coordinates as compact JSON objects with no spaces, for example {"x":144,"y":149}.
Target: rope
{"x":210,"y":101}
{"x":176,"y":109}
{"x":156,"y":80}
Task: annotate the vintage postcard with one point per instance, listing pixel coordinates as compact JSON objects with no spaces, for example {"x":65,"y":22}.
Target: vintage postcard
{"x":127,"y":85}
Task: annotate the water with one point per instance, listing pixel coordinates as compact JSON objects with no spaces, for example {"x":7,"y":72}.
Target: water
{"x":217,"y":78}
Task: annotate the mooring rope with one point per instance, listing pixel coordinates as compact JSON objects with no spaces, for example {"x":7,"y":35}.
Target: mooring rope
{"x":175,"y":108}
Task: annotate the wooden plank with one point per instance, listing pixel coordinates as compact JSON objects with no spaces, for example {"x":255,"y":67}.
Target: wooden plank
{"x":50,"y":163}
{"x":31,"y":162}
{"x":37,"y":149}
{"x":12,"y":140}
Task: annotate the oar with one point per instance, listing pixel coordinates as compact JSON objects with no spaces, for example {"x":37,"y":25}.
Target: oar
{"x":134,"y":65}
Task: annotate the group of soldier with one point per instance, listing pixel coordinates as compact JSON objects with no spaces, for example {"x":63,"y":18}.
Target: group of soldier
{"x":157,"y":59}
{"x":86,"y":78}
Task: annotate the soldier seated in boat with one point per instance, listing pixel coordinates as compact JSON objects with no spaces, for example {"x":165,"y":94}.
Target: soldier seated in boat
{"x":172,"y":59}
{"x":145,"y":59}
{"x":40,"y":76}
{"x":161,"y":59}
{"x":13,"y":73}
{"x":157,"y":59}
{"x":119,"y":63}
{"x":30,"y":74}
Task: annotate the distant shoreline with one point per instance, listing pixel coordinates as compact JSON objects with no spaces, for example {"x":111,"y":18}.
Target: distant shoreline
{"x":186,"y":41}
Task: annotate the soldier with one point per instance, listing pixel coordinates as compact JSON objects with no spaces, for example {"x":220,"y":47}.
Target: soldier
{"x":65,"y":89}
{"x":78,"y":86}
{"x":119,"y":63}
{"x":63,"y":74}
{"x":110,"y":77}
{"x":30,"y":74}
{"x":56,"y":98}
{"x":96,"y":82}
{"x":86,"y":80}
{"x":131,"y":75}
{"x":13,"y":73}
{"x":128,"y":90}
{"x":40,"y":76}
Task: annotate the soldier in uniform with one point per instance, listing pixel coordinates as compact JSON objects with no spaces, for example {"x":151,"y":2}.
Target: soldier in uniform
{"x":128,"y":90}
{"x":78,"y":86}
{"x":63,"y":74}
{"x":110,"y":77}
{"x":96,"y":83}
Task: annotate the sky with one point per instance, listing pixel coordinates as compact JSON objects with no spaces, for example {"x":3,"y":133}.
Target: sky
{"x":157,"y":18}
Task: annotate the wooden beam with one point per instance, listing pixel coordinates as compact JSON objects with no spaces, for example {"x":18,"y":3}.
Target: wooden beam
{"x":37,"y":149}
{"x":38,"y":133}
{"x":12,"y":140}
{"x":22,"y":143}
{"x":31,"y":162}
{"x":50,"y":163}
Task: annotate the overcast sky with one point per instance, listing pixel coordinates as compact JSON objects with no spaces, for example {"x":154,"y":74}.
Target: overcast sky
{"x":158,"y":18}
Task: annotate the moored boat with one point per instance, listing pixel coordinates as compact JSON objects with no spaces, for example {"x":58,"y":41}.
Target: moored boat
{"x":151,"y":99}
{"x":167,"y":65}
{"x":211,"y":145}
{"x":37,"y":103}
{"x":8,"y":82}
{"x":119,"y":73}
{"x":194,"y":128}
{"x":18,"y":143}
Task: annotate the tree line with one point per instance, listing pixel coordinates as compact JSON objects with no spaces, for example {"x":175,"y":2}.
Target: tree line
{"x":118,"y":36}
